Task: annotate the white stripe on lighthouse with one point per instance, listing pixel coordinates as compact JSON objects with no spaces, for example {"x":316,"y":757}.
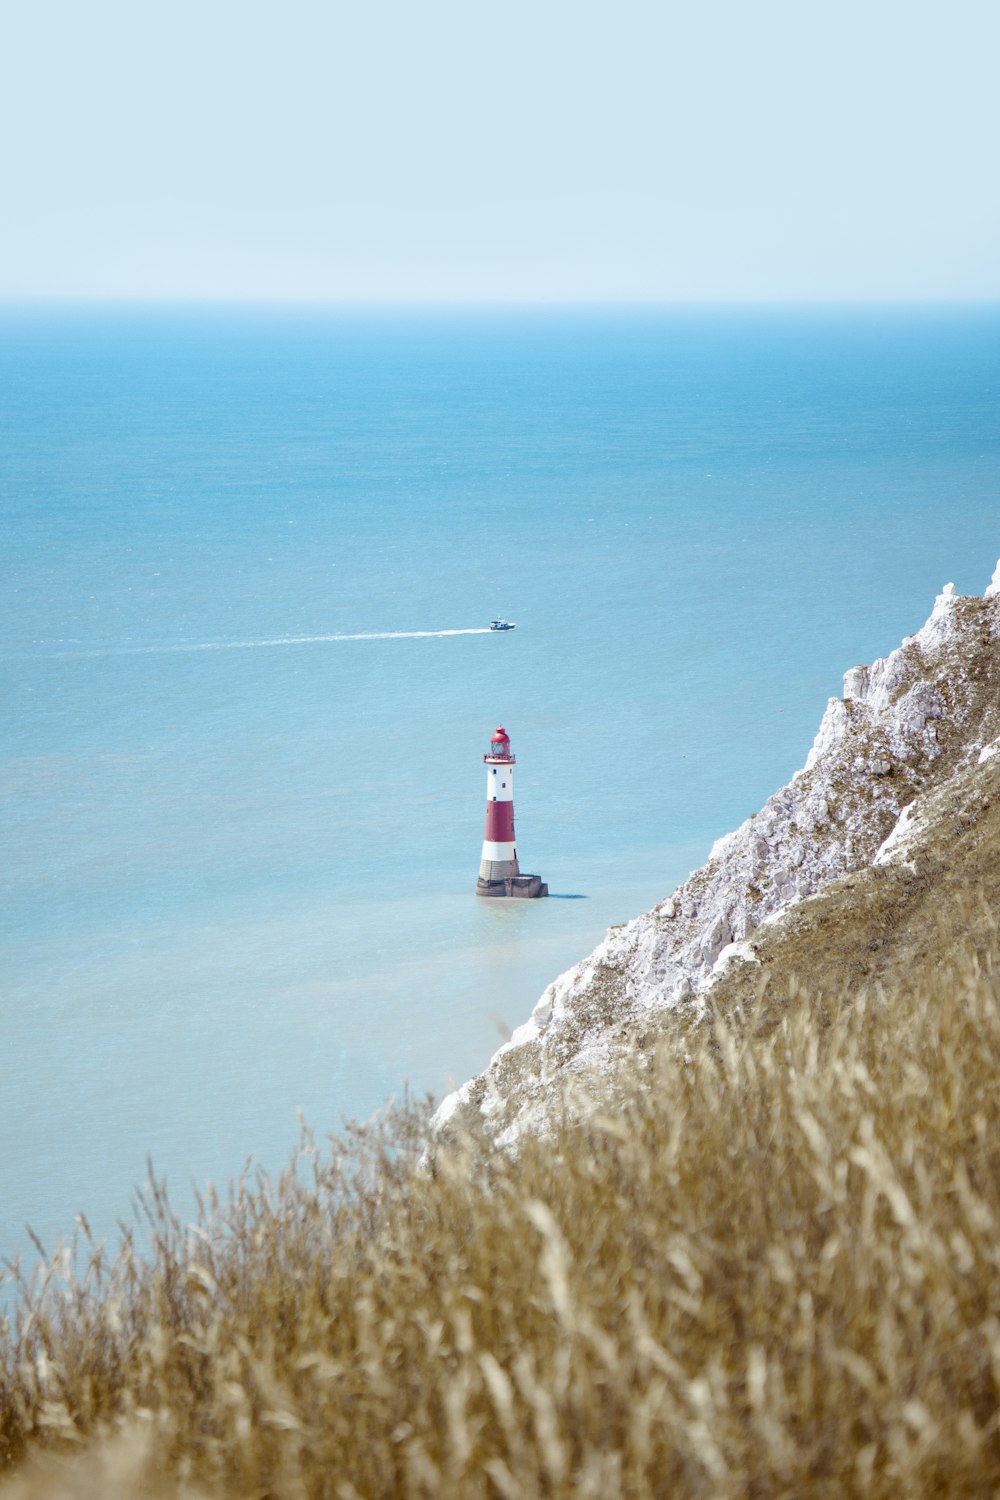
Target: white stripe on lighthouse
{"x":496,"y":853}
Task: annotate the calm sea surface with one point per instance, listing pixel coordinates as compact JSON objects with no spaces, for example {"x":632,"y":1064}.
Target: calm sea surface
{"x":237,"y":865}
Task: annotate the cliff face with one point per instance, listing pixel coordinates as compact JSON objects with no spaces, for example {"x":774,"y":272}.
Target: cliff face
{"x":898,"y":767}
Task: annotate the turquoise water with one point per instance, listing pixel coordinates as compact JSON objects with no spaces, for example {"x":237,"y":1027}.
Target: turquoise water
{"x":238,"y":867}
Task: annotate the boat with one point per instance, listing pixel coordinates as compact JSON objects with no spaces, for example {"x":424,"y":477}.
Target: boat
{"x":499,"y":624}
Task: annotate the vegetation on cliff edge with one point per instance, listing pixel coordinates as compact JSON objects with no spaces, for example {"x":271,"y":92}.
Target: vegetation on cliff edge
{"x":765,"y":1262}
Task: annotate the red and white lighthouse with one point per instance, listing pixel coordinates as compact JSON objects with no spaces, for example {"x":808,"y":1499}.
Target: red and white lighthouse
{"x":499,"y":872}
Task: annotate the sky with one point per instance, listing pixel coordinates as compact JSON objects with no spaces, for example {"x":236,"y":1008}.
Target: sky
{"x":557,"y":150}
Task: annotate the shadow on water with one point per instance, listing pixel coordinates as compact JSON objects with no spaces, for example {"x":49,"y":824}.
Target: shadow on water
{"x":559,"y":896}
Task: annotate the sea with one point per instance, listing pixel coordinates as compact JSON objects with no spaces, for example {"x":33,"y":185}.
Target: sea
{"x":250,"y":555}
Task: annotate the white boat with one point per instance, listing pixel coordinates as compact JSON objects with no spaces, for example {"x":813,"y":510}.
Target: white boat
{"x":499,"y":624}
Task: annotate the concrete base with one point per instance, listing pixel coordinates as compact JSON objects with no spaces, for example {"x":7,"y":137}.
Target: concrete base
{"x":527,"y":887}
{"x":496,"y":871}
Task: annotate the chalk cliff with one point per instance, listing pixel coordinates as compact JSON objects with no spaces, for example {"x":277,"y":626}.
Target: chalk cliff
{"x":904,"y":766}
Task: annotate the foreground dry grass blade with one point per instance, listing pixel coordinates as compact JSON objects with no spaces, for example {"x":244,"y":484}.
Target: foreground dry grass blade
{"x":767,"y":1262}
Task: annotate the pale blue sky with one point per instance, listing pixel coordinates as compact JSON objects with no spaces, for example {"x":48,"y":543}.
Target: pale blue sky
{"x":553,"y":150}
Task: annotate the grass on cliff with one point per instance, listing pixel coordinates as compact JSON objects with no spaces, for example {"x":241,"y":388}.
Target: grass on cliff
{"x":766,"y":1263}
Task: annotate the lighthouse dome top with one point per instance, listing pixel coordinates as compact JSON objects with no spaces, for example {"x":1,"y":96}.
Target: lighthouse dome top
{"x":499,"y":746}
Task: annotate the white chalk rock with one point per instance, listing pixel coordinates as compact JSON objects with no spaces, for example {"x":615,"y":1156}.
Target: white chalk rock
{"x":905,"y":723}
{"x":734,"y":953}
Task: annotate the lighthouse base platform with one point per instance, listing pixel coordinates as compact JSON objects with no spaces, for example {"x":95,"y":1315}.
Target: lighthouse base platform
{"x":526,"y":887}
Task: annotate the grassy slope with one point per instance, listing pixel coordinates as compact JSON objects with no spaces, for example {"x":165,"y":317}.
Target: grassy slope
{"x":760,"y":1257}
{"x":890,"y":921}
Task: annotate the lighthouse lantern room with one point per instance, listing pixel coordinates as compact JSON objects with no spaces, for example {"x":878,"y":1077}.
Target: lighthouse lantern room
{"x":499,"y":872}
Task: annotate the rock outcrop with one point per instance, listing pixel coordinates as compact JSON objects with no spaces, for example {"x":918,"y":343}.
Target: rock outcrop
{"x":923,"y":721}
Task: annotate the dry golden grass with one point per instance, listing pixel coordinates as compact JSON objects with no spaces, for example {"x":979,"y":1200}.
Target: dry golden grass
{"x":764,"y":1263}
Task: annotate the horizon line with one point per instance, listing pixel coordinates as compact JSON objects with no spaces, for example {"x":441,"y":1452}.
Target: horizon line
{"x":491,"y":304}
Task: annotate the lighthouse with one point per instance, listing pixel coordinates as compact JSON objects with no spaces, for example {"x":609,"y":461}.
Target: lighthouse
{"x":499,"y":872}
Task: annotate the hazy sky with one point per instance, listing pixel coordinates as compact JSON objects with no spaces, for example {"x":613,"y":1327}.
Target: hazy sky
{"x":599,"y":149}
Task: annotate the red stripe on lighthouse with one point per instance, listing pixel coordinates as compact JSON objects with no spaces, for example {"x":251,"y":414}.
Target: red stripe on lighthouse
{"x":500,"y":822}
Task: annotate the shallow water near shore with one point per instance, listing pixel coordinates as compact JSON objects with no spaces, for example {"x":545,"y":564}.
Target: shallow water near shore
{"x":241,"y":771}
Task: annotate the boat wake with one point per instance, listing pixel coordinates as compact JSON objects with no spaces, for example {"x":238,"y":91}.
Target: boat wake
{"x":279,"y":640}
